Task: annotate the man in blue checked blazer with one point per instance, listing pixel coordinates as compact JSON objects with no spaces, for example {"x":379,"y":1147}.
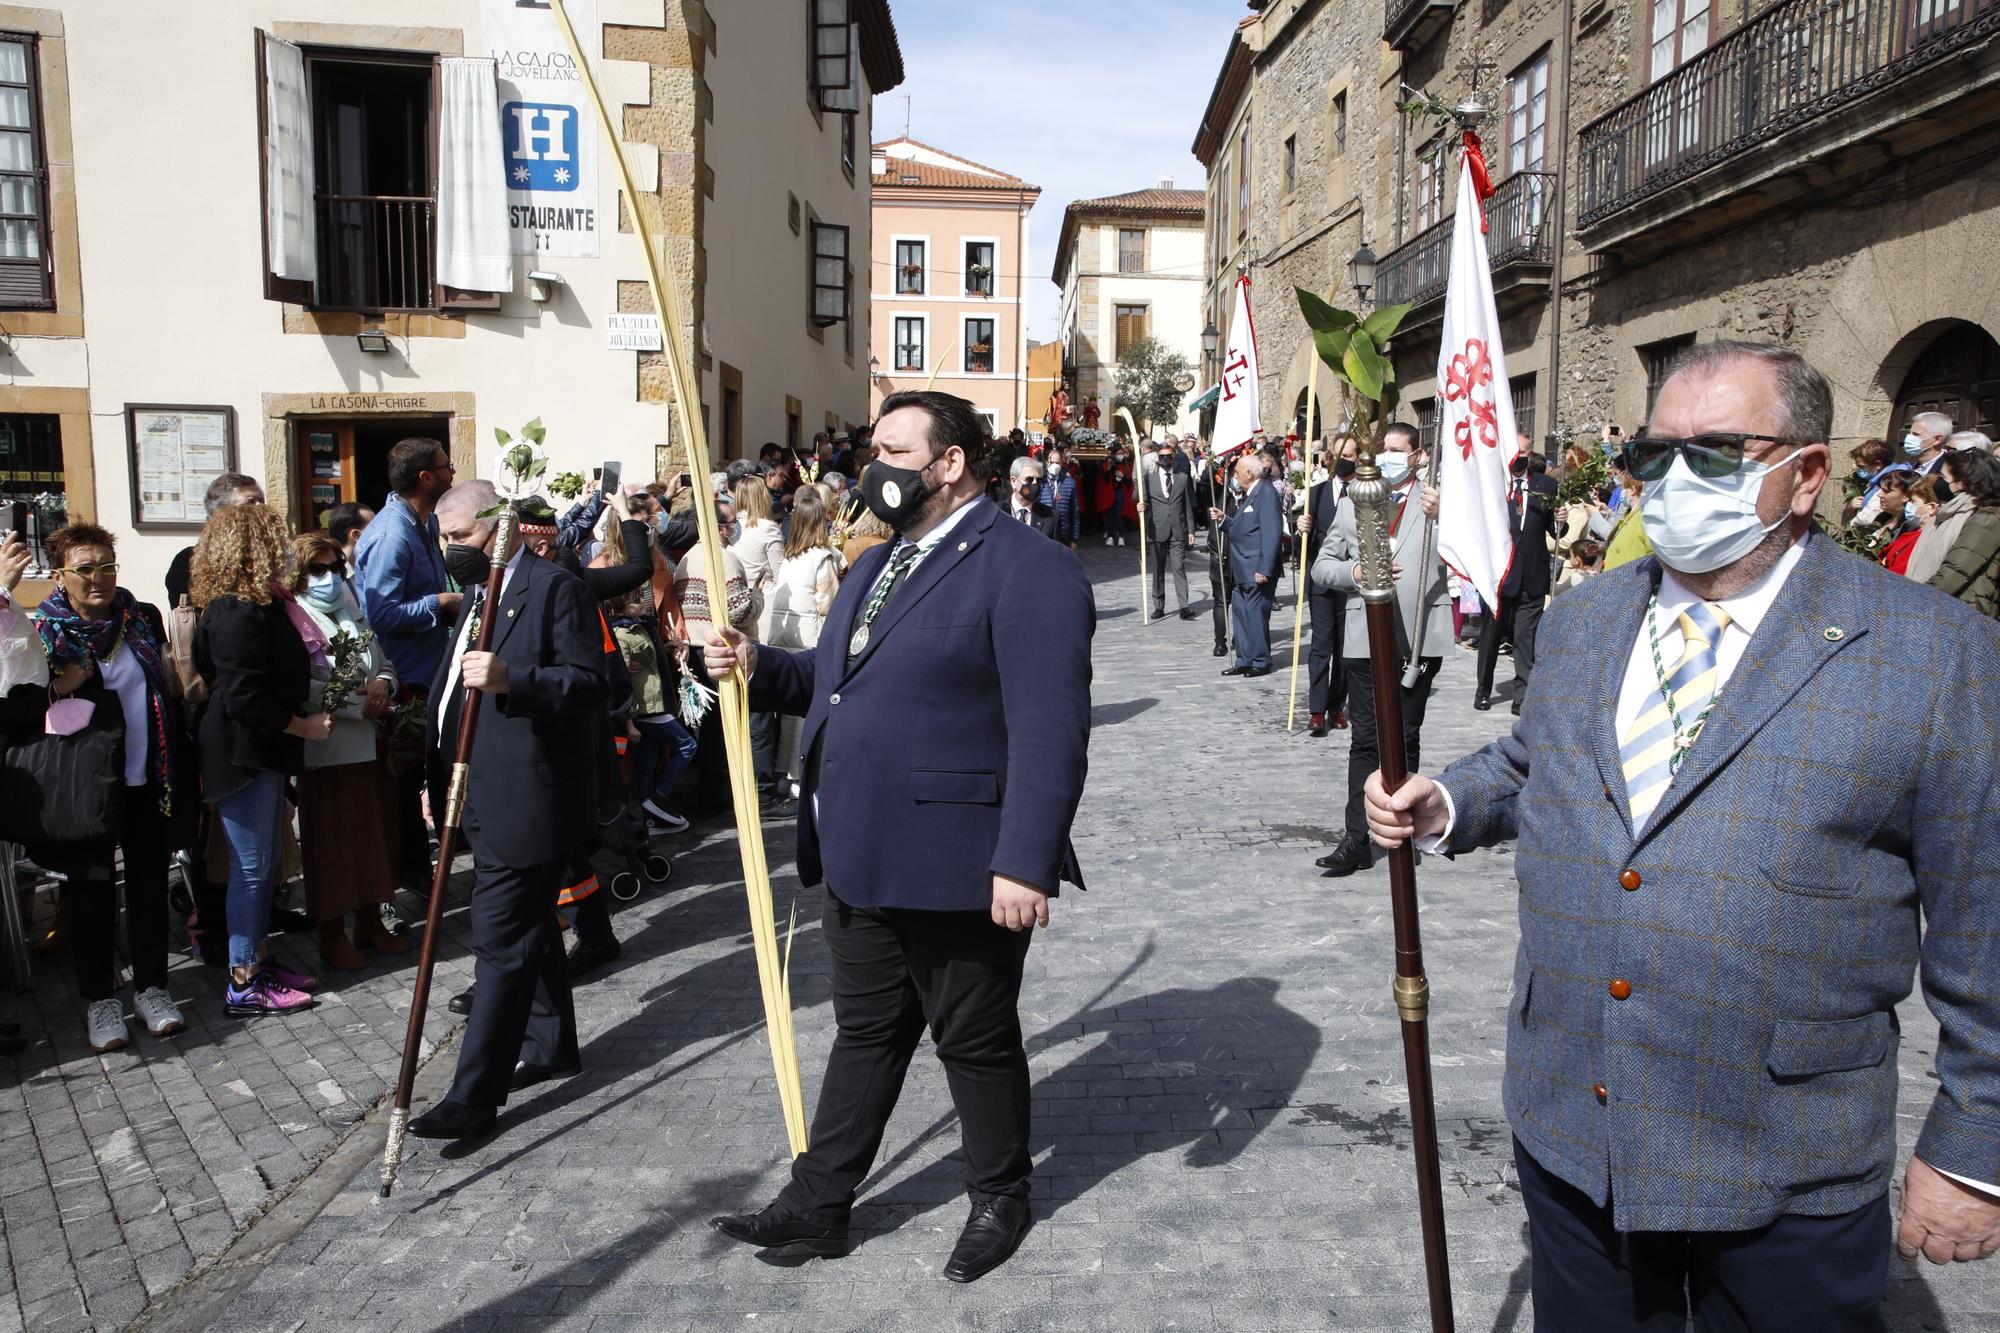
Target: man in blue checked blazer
{"x":1751,"y":795}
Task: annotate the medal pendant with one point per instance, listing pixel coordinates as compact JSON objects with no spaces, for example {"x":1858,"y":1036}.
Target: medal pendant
{"x":859,"y":641}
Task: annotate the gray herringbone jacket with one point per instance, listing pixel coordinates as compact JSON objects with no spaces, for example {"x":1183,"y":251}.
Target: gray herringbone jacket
{"x":1835,"y":825}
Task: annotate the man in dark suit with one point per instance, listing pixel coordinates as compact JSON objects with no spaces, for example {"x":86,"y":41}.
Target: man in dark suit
{"x":947,"y":715}
{"x":1326,"y":667}
{"x":1255,"y":535}
{"x":533,"y":766}
{"x":1024,"y":505}
{"x":1167,"y":499}
{"x":1531,"y":518}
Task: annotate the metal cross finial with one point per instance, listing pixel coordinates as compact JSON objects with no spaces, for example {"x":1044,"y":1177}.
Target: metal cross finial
{"x":1475,"y":67}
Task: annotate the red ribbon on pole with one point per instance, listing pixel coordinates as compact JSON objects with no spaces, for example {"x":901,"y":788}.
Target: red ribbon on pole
{"x":1482,"y":183}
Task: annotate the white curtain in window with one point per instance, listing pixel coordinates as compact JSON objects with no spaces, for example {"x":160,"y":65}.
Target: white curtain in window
{"x":848,"y":97}
{"x":474,"y":249}
{"x":288,"y":163}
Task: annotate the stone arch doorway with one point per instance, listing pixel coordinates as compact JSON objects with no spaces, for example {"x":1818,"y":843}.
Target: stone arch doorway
{"x":1957,"y":374}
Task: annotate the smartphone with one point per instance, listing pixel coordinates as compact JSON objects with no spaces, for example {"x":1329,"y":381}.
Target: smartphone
{"x":608,"y":476}
{"x":17,"y":519}
{"x":686,"y":480}
{"x":597,"y":474}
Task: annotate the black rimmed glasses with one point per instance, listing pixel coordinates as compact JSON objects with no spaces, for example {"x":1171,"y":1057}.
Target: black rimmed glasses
{"x":1712,"y":455}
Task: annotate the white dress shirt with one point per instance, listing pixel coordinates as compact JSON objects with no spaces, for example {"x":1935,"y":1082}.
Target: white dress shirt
{"x":464,"y":643}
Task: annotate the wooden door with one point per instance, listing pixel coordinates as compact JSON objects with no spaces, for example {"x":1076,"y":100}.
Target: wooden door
{"x":1958,"y":375}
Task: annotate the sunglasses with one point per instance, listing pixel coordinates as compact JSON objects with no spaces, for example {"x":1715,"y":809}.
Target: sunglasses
{"x":92,"y":573}
{"x":318,"y":569}
{"x":1716,"y":454}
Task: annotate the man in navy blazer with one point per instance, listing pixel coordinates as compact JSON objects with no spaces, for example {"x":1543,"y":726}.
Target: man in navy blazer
{"x":947,"y":716}
{"x":1730,"y":870}
{"x":534,"y":766}
{"x":1256,"y":535}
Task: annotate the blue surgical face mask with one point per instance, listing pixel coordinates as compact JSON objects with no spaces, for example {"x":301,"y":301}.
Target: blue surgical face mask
{"x":1913,"y":444}
{"x":1909,"y":509}
{"x":1700,"y":524}
{"x":323,"y":591}
{"x":1863,"y":474}
{"x":1395,"y":467}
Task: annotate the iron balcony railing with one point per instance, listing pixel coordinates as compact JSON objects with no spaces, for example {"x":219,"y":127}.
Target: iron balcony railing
{"x":1792,"y":64}
{"x":377,"y":252}
{"x":1519,"y":229}
{"x":1401,"y":17}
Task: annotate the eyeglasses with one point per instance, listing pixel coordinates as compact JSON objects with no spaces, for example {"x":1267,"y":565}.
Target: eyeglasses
{"x":1716,"y":454}
{"x":318,"y":569}
{"x":92,"y":573}
{"x":445,"y":466}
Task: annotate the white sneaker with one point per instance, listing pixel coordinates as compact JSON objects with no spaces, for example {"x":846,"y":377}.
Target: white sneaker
{"x":158,"y":1011}
{"x":661,"y":819}
{"x":106,"y":1021}
{"x":1107,"y":541}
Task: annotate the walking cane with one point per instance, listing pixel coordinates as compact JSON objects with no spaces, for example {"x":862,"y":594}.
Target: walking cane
{"x":1139,"y":480}
{"x":1370,"y":494}
{"x":454,"y":811}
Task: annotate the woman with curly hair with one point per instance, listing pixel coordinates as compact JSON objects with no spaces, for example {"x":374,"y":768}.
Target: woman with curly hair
{"x":104,"y":647}
{"x":256,"y":649}
{"x":347,"y":799}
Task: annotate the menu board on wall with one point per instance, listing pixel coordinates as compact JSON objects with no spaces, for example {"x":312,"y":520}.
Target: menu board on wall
{"x":174,"y":453}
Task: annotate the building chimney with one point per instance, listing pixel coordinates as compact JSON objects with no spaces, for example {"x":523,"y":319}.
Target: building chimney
{"x":1166,"y":182}
{"x":878,"y":164}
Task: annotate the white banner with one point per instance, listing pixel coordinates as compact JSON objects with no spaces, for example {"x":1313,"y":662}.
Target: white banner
{"x":1476,"y":438}
{"x":548,"y":132}
{"x":1238,"y":419}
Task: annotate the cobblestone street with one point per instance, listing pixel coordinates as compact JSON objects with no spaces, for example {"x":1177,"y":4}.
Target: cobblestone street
{"x":1221,"y":1134}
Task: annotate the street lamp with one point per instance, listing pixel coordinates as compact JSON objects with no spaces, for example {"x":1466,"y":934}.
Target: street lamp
{"x":1210,"y":336}
{"x":1361,"y":271}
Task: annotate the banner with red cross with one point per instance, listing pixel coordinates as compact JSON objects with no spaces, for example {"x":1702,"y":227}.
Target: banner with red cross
{"x":1237,"y":417}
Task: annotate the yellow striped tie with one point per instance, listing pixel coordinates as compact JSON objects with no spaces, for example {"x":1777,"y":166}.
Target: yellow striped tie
{"x":1653,"y":744}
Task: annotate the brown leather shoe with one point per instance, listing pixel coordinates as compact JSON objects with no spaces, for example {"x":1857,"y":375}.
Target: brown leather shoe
{"x":370,"y":933}
{"x":1318,"y":725}
{"x":336,"y":950}
{"x":1339,"y":719}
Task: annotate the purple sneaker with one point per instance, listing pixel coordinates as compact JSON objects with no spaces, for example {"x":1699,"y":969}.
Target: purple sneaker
{"x":298,"y":981}
{"x":263,"y":994}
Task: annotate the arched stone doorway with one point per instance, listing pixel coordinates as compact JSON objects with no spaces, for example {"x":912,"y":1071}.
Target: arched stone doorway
{"x":1958,"y":374}
{"x":1319,"y":426}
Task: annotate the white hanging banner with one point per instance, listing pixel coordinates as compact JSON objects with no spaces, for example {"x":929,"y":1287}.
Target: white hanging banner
{"x":1238,"y":419}
{"x":472,"y":238}
{"x":288,"y":163}
{"x":547,"y":135}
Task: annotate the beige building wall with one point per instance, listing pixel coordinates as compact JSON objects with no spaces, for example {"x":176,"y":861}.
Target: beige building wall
{"x":1170,"y":289}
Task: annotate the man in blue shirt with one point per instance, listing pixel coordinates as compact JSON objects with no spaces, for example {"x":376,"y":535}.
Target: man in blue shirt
{"x":399,"y":573}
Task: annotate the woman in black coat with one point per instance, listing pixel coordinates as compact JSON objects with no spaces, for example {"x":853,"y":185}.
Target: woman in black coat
{"x":255,"y":649}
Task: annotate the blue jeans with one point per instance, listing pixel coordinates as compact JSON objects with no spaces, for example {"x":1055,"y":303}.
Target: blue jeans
{"x":665,"y":750}
{"x":253,"y":824}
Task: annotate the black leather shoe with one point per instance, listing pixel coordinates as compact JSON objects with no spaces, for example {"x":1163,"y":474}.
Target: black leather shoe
{"x":1236,"y":671}
{"x":586,"y":956}
{"x":452,"y":1120}
{"x":1221,"y":650}
{"x":1482,"y":702}
{"x":527,"y":1075}
{"x":1515,"y":707}
{"x":1353,"y":854}
{"x":1253,"y":672}
{"x":461,"y":1003}
{"x":1187,"y":613}
{"x":991,"y":1236}
{"x":773,"y":1230}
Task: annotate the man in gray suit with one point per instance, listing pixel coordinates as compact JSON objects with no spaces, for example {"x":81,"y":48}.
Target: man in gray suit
{"x":1167,"y":499}
{"x":1418,"y":592}
{"x":1730,"y":870}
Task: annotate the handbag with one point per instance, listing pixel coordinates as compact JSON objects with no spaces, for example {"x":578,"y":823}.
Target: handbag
{"x":183,"y":680}
{"x":62,"y":790}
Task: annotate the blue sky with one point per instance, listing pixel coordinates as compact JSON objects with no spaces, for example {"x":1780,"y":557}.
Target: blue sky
{"x":1081,"y":97}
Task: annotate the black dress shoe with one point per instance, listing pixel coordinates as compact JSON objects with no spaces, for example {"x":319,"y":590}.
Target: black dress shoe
{"x":1187,"y":613}
{"x":527,"y":1075}
{"x":991,"y":1236}
{"x":773,"y":1230}
{"x":1482,"y":702}
{"x":461,"y":1003}
{"x":1515,"y":707}
{"x":452,"y":1120}
{"x":1236,"y":671}
{"x":1353,"y":854}
{"x":586,"y":956}
{"x":1253,"y":672}
{"x":1221,"y":650}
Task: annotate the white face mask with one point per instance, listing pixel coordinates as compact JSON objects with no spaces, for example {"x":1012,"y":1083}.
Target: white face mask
{"x":1913,"y":443}
{"x":1394,"y":466}
{"x":1699,"y":524}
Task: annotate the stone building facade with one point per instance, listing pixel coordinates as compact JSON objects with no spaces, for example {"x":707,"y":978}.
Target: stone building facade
{"x":1803,"y":172}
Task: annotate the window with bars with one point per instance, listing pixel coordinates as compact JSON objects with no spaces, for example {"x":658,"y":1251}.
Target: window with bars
{"x":1129,"y":328}
{"x":979,"y":346}
{"x":1659,"y":358}
{"x":1430,"y":184}
{"x":1522,"y":389}
{"x":1339,"y":124}
{"x":1291,"y":163}
{"x":910,"y":351}
{"x":829,"y":274}
{"x":1427,"y":422}
{"x":24,"y":232}
{"x":979,"y":268}
{"x":1131,"y":249}
{"x":910,"y":267}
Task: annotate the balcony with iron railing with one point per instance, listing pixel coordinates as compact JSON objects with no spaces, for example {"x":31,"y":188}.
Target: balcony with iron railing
{"x":1520,"y":245}
{"x":1808,"y":93}
{"x":1408,"y":24}
{"x":377,"y":253}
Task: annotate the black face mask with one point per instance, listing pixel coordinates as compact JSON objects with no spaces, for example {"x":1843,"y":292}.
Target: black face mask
{"x":1344,"y":468}
{"x":1520,"y":467}
{"x":1030,"y":488}
{"x":1944,"y":490}
{"x":467,"y":565}
{"x":896,"y":495}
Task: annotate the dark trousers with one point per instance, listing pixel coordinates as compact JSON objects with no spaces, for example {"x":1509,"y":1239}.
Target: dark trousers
{"x":1169,"y":557}
{"x":1217,"y":563}
{"x":521,"y":1008}
{"x":1250,"y":618}
{"x":1518,"y":619}
{"x":412,"y":782}
{"x":894,"y":971}
{"x":764,"y":752}
{"x":1327,"y":692}
{"x":1796,"y":1275}
{"x":93,"y":893}
{"x":1364,"y":752}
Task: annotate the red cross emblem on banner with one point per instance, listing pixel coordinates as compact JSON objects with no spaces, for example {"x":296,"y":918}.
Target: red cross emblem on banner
{"x":1232,"y":376}
{"x":1470,"y":372}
